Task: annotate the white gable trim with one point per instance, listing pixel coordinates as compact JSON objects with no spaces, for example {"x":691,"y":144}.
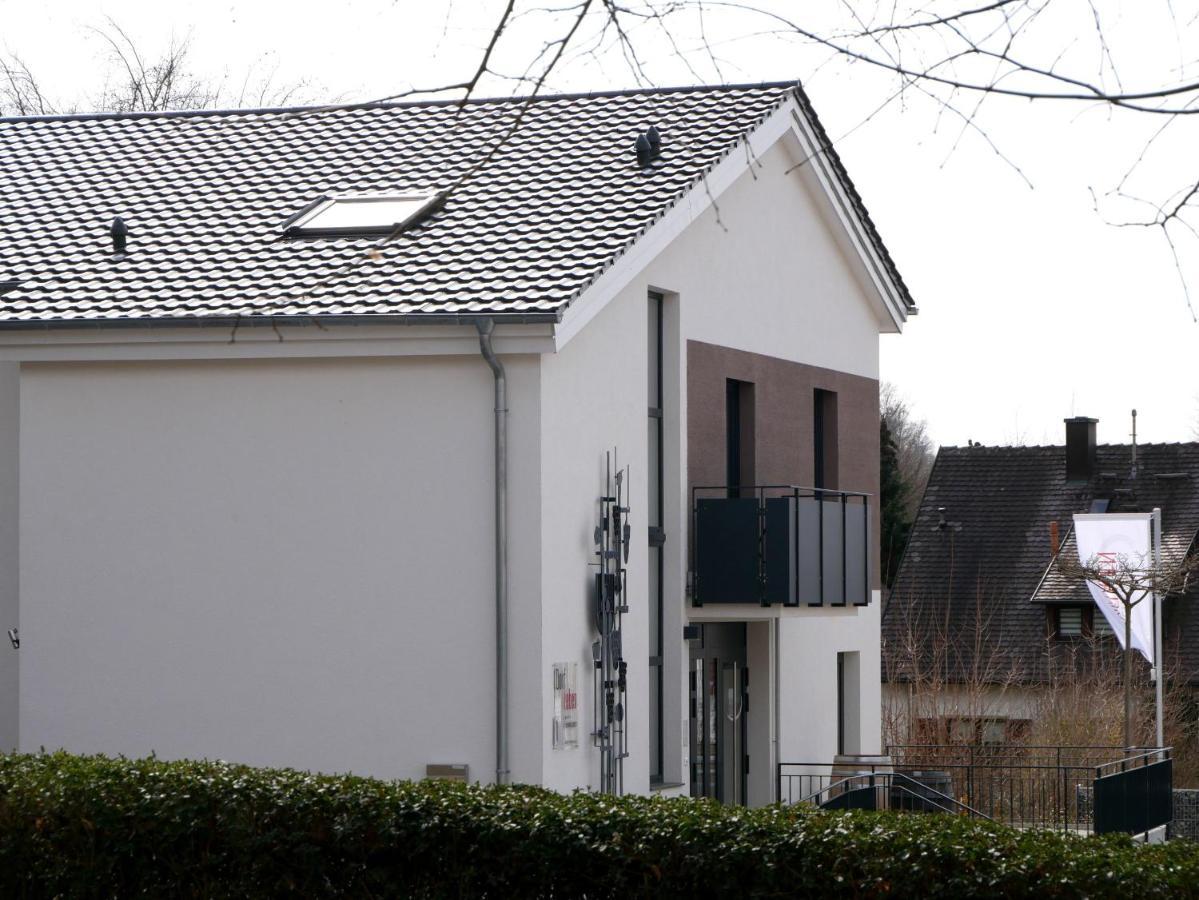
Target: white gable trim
{"x":815,"y":167}
{"x":787,"y":122}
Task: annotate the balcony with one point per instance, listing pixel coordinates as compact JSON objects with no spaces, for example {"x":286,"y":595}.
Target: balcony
{"x":780,"y":544}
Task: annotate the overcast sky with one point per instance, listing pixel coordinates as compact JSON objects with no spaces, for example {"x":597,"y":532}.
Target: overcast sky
{"x":1032,"y":307}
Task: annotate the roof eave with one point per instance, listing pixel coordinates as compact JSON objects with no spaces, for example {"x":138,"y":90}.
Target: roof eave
{"x":260,"y":321}
{"x":821,"y":156}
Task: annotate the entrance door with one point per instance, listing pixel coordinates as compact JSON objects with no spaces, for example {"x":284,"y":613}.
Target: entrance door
{"x":719,"y":687}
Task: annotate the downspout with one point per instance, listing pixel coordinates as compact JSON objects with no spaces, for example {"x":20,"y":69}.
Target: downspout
{"x":486,"y":327}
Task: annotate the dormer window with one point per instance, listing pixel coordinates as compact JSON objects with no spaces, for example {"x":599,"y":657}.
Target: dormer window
{"x":1070,"y":621}
{"x":364,"y":215}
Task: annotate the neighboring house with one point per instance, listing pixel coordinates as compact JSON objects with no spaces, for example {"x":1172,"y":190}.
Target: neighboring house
{"x":979,"y":610}
{"x":248,"y":436}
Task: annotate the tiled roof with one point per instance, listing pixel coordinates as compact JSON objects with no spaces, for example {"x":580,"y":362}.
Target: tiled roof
{"x":985,"y":573}
{"x":550,"y":195}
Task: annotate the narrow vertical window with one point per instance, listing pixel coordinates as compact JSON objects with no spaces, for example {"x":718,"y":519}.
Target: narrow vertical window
{"x":739,"y":437}
{"x":824,"y":439}
{"x":657,"y":537}
{"x":732,"y":435}
{"x":840,"y":701}
{"x":849,"y":712}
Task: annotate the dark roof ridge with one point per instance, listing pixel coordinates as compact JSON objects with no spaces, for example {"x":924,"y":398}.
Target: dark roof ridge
{"x":1017,"y":447}
{"x":400,"y":104}
{"x":995,"y":447}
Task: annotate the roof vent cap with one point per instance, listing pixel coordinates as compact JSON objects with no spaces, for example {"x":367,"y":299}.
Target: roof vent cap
{"x":645,"y":152}
{"x":649,"y":146}
{"x":120,"y":234}
{"x":655,"y":140}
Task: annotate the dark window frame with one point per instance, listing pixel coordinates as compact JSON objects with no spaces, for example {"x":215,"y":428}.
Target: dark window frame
{"x":657,"y":537}
{"x":1086,"y":625}
{"x":732,"y":435}
{"x":739,"y":449}
{"x":825,"y":447}
{"x":840,"y":704}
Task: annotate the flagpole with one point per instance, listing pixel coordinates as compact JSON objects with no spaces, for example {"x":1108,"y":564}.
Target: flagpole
{"x":1157,"y":625}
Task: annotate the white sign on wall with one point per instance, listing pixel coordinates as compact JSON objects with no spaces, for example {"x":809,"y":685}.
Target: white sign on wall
{"x":566,"y":706}
{"x":1116,"y":539}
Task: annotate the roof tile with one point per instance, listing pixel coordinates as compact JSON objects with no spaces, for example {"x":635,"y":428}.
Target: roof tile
{"x":550,"y":196}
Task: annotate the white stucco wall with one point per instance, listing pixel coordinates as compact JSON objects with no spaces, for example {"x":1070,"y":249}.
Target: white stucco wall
{"x":810,"y":640}
{"x":594,"y":396}
{"x":767,"y":278}
{"x":284,"y":563}
{"x":10,"y":615}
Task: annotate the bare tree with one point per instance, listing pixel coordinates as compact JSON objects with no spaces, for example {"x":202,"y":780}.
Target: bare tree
{"x":915,"y":450}
{"x":945,"y":670}
{"x":138,"y":81}
{"x":1130,"y":579}
{"x":151,"y":85}
{"x":958,"y":55}
{"x":20,"y":94}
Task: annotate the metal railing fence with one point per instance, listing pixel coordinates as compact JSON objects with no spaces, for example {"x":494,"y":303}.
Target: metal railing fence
{"x":1079,"y":789}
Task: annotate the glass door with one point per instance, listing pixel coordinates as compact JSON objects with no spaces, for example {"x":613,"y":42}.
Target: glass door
{"x":719,"y":711}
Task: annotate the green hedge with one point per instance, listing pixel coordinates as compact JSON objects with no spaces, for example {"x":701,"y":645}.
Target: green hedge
{"x":96,"y":827}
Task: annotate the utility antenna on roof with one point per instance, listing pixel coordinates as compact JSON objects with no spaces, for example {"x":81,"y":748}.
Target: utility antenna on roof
{"x":1134,"y":443}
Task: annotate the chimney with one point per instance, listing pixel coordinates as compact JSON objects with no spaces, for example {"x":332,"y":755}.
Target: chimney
{"x":1055,"y":543}
{"x":1080,"y":448}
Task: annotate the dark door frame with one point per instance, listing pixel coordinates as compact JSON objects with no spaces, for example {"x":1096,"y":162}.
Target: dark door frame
{"x":720,"y":651}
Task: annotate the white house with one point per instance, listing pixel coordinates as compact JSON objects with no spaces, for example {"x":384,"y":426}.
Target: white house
{"x":249,"y":469}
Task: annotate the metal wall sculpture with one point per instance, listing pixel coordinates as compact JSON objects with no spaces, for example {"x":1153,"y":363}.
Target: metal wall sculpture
{"x":612,"y":534}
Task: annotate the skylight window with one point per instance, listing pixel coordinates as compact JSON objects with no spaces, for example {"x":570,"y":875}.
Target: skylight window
{"x":376,"y":214}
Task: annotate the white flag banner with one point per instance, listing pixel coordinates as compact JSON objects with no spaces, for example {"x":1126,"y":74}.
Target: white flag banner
{"x":1111,"y":539}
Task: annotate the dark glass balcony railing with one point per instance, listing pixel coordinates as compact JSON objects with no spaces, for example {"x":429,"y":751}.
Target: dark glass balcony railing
{"x":771,"y":544}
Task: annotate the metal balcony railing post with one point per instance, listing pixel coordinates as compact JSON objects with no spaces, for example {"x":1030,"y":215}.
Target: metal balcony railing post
{"x":795,"y":533}
{"x":1061,"y":774}
{"x":763,"y":600}
{"x":844,"y":556}
{"x":820,"y":545}
{"x":866,"y":551}
{"x":970,"y":780}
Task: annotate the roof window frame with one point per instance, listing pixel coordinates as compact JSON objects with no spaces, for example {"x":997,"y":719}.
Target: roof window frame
{"x":302,"y":224}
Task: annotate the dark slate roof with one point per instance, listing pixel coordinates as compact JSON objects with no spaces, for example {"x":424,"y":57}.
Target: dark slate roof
{"x":548,"y":195}
{"x":986,"y":574}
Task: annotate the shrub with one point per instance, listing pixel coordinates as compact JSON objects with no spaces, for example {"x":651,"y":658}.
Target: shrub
{"x":75,"y":826}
